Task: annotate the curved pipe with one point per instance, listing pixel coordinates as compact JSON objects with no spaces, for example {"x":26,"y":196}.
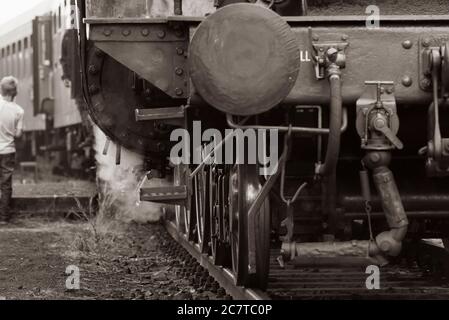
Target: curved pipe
{"x":298,"y":130}
{"x":336,"y":112}
{"x":390,"y":242}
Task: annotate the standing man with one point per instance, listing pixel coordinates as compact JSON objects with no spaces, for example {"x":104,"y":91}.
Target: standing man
{"x":11,"y":127}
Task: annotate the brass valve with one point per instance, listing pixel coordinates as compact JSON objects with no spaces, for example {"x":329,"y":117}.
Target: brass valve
{"x":377,"y":119}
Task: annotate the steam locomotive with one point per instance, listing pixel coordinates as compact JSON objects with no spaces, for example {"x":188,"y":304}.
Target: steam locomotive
{"x":325,"y":93}
{"x":39,"y":49}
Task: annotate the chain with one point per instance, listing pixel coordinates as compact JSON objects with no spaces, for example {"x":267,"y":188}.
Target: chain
{"x":368,"y":211}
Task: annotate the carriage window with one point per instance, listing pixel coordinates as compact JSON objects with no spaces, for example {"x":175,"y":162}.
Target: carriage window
{"x":8,"y":50}
{"x":25,"y":43}
{"x":59,"y":17}
{"x":14,"y":48}
{"x":31,"y":41}
{"x":19,"y":46}
{"x":3,"y":52}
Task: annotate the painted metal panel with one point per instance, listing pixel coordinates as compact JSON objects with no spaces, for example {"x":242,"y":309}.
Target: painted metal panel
{"x":145,"y":8}
{"x":372,"y":54}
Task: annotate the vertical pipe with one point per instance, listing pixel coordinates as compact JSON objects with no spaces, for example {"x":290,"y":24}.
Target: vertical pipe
{"x":333,"y":144}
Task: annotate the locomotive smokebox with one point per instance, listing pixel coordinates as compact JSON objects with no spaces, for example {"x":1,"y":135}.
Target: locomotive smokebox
{"x":244,"y":59}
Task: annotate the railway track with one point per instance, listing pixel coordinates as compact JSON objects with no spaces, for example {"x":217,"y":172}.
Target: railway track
{"x":56,"y":205}
{"x":223,"y":276}
{"x":426,"y":279}
{"x":403,"y":281}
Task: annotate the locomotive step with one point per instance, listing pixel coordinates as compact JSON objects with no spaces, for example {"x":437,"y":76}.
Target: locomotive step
{"x":164,"y":195}
{"x":160,"y":114}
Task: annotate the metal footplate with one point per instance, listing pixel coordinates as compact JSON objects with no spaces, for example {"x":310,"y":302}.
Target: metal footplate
{"x":175,"y":195}
{"x":160,"y":114}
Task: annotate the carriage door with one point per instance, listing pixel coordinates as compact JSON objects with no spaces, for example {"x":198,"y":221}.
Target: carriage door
{"x":42,"y":65}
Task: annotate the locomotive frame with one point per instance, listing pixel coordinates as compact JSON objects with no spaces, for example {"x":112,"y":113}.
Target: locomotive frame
{"x":360,"y":83}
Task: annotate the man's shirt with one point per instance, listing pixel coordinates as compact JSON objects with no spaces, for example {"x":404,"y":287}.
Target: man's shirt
{"x":11,"y":120}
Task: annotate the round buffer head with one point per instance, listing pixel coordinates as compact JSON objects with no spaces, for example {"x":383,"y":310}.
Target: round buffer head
{"x":244,"y":59}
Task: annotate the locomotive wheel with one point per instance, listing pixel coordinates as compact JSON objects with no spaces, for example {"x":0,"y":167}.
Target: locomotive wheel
{"x":184,"y":214}
{"x":180,"y":211}
{"x":219,"y":251}
{"x":244,"y":186}
{"x":202,"y":210}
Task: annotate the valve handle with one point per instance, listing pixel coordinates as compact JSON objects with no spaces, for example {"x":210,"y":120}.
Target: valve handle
{"x":382,"y":127}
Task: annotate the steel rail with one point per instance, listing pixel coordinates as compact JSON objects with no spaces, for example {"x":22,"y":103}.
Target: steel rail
{"x":51,"y":205}
{"x":222,"y":275}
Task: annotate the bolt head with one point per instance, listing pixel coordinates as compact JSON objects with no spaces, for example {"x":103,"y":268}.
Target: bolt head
{"x":425,"y":42}
{"x":93,"y":69}
{"x":179,"y":91}
{"x":407,"y":44}
{"x":407,"y":81}
{"x":161,"y":34}
{"x":179,"y":71}
{"x":145,"y":32}
{"x":107,"y":32}
{"x":179,"y":33}
{"x":126,"y":32}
